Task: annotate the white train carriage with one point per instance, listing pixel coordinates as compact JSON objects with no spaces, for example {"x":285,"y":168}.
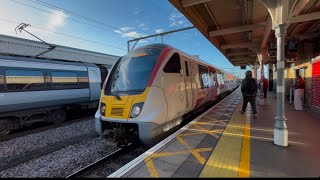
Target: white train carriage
{"x":151,"y":90}
{"x":33,"y":90}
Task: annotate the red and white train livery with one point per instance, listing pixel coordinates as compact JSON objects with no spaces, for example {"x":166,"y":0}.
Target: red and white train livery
{"x":152,"y":88}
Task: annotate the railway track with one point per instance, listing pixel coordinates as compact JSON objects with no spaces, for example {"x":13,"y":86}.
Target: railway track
{"x":36,"y":129}
{"x":91,"y":169}
{"x":43,"y":151}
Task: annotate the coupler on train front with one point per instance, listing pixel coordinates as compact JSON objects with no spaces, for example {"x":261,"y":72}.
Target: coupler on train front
{"x":117,"y":134}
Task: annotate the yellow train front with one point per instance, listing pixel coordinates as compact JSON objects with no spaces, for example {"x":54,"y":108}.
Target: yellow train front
{"x":151,"y":89}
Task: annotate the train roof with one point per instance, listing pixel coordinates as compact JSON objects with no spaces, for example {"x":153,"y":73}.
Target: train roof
{"x":162,"y":46}
{"x":30,"y":59}
{"x":14,"y":46}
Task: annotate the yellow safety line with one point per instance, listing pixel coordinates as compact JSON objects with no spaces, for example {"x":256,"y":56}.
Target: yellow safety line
{"x":244,"y":166}
{"x":152,"y":170}
{"x":225,"y":158}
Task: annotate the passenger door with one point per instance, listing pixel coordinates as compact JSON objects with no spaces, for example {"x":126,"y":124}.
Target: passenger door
{"x":174,"y":85}
{"x":188,"y":86}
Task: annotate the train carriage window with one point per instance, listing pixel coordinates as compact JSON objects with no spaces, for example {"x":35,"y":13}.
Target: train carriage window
{"x":2,"y":87}
{"x":24,"y":80}
{"x":83,"y":79}
{"x":64,"y":80}
{"x":204,"y":79}
{"x":173,"y":65}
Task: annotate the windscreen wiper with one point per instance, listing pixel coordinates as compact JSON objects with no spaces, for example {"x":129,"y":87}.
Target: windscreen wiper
{"x":116,"y":88}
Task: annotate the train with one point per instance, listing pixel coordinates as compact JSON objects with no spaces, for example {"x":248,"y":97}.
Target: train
{"x":153,"y":89}
{"x":40,"y":90}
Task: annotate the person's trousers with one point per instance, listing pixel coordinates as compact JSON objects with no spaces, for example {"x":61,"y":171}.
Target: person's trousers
{"x":298,"y":99}
{"x":252,"y":101}
{"x":265,"y":92}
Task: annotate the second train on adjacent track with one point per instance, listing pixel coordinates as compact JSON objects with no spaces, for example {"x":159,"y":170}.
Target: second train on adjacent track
{"x":151,"y":90}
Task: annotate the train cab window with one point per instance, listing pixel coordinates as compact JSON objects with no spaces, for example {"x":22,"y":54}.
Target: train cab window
{"x":24,"y":80}
{"x":204,"y":77}
{"x":64,"y":80}
{"x":173,"y":65}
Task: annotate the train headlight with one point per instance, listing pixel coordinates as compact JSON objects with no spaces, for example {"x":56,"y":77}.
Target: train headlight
{"x":103,"y":109}
{"x":136,"y":109}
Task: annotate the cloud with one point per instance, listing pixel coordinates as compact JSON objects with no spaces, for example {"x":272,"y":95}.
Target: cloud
{"x":144,"y":29}
{"x":176,"y":19}
{"x":141,"y":25}
{"x":56,"y":20}
{"x":142,"y":41}
{"x":132,"y":34}
{"x":175,"y":15}
{"x":177,"y":23}
{"x":125,"y":33}
{"x":117,"y":31}
{"x":159,"y":31}
{"x":126,"y":29}
{"x":136,"y":11}
{"x":123,"y":30}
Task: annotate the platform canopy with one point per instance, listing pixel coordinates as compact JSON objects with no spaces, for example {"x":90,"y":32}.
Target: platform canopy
{"x":241,"y":29}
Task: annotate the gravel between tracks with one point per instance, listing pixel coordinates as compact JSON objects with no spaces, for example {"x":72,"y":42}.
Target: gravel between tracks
{"x":63,"y":162}
{"x":24,"y":145}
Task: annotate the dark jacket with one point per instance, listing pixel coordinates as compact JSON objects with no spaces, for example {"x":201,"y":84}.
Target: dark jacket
{"x":249,"y":87}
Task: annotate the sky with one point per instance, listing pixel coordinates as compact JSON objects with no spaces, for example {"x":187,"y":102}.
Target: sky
{"x":105,"y":26}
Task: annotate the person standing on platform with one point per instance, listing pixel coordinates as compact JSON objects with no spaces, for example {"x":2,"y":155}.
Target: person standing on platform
{"x":265,"y":87}
{"x":298,"y":92}
{"x":249,"y":92}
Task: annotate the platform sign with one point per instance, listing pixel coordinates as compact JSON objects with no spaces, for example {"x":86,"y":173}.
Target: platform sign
{"x":293,"y":46}
{"x":272,"y":49}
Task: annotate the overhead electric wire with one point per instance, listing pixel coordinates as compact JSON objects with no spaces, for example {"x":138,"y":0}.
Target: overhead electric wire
{"x":161,"y":9}
{"x":75,"y":14}
{"x":65,"y":17}
{"x":66,"y":35}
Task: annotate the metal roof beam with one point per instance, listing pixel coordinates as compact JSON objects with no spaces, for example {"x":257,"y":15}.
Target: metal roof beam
{"x":267,"y":32}
{"x":238,"y":53}
{"x":239,"y":45}
{"x":308,"y":36}
{"x":242,"y":59}
{"x":236,"y":29}
{"x":187,"y":3}
{"x":305,"y":17}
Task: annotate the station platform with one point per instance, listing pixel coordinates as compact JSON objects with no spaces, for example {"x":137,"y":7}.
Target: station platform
{"x":225,"y":143}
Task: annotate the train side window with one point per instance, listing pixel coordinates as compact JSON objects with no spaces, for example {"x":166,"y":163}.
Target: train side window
{"x":64,"y":80}
{"x":2,"y":87}
{"x":203,"y":75}
{"x":83,"y":79}
{"x":24,"y":80}
{"x":173,"y":65}
{"x":187,"y":68}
